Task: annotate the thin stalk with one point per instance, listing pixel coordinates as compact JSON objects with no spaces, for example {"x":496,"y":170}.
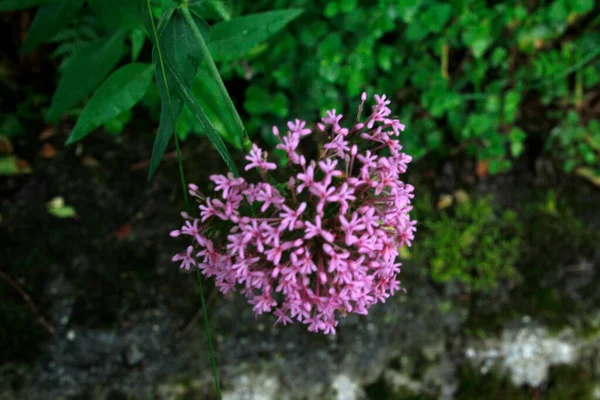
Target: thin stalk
{"x":213,"y":360}
{"x":214,"y":73}
{"x":164,"y":78}
{"x":445,"y":57}
{"x":185,"y":194}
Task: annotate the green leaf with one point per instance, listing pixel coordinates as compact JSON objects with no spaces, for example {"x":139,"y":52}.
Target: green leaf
{"x":256,"y":99}
{"x":233,"y":39}
{"x":121,"y":91}
{"x":85,"y":70}
{"x":478,"y":36}
{"x":12,"y":5}
{"x":117,"y":14}
{"x":184,"y":93}
{"x":415,"y":31}
{"x":581,"y":6}
{"x":48,"y":20}
{"x":59,"y":209}
{"x":179,"y":48}
{"x":517,"y":137}
{"x":137,"y":38}
{"x":435,"y":16}
{"x":9,"y":166}
{"x":206,"y":92}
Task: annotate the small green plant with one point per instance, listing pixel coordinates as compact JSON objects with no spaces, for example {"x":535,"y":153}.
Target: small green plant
{"x":469,"y":243}
{"x":576,"y":145}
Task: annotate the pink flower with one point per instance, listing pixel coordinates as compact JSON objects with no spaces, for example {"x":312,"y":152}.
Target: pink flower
{"x":332,"y":118}
{"x":226,"y":183}
{"x":316,"y":229}
{"x":298,"y":127}
{"x":187,"y":260}
{"x":290,"y":217}
{"x":322,"y":241}
{"x":256,"y":160}
{"x":307,"y":178}
{"x":268,"y":195}
{"x":338,"y":144}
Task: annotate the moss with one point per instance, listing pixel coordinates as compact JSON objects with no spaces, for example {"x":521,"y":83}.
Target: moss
{"x":469,"y":243}
{"x":553,"y":241}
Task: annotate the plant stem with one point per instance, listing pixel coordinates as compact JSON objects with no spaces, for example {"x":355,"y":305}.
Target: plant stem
{"x":445,"y":56}
{"x":185,"y":194}
{"x":214,"y":73}
{"x":213,"y":361}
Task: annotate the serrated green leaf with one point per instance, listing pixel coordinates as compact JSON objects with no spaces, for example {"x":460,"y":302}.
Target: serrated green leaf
{"x":85,"y":70}
{"x":186,"y":95}
{"x":179,"y":48}
{"x":233,"y":39}
{"x":117,"y":14}
{"x":48,"y":20}
{"x":121,"y":91}
{"x":12,"y":5}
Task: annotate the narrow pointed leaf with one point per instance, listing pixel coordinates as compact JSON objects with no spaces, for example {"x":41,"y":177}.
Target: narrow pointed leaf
{"x":84,"y":72}
{"x":184,"y":92}
{"x":48,"y":21}
{"x":180,"y":49}
{"x":233,"y":39}
{"x":206,"y":91}
{"x":120,"y":92}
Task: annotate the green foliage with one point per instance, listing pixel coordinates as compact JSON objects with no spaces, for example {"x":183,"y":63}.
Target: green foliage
{"x":48,"y":21}
{"x":459,"y":71}
{"x":470,"y":243}
{"x":186,"y":95}
{"x":92,"y":45}
{"x":575,"y":144}
{"x":178,"y":47}
{"x":233,"y":39}
{"x":118,"y":93}
{"x":84,"y":72}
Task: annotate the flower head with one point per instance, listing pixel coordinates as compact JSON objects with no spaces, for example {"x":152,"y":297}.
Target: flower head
{"x":324,"y":241}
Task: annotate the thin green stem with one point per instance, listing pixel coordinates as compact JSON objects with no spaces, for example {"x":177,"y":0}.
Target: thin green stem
{"x":213,"y":360}
{"x":187,"y":204}
{"x":181,"y":175}
{"x":214,"y":73}
{"x":172,"y":115}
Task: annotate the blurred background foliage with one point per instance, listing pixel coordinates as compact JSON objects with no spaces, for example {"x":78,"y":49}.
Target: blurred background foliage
{"x":461,"y":71}
{"x":464,"y":73}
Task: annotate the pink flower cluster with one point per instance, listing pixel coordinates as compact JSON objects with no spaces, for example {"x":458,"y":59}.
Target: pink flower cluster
{"x":323,"y":243}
